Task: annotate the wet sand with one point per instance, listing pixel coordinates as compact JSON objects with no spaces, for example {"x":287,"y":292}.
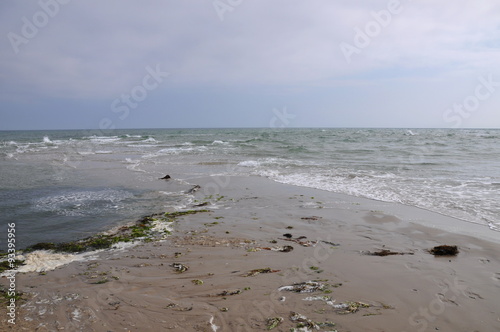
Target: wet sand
{"x":140,"y":288}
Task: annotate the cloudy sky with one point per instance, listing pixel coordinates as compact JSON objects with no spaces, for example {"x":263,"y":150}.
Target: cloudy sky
{"x":67,"y":64}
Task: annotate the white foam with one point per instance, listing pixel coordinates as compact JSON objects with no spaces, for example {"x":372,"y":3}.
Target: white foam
{"x":46,"y":139}
{"x":249,"y":163}
{"x":103,"y":139}
{"x":44,"y":260}
{"x":79,"y":203}
{"x":212,"y":325}
{"x":159,"y":226}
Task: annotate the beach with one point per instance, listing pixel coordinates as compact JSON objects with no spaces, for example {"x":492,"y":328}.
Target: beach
{"x":228,"y":269}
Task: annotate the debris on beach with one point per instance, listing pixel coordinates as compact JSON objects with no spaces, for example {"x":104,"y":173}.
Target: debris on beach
{"x":201,"y":204}
{"x":327,"y":299}
{"x":300,"y":240}
{"x":176,"y":307}
{"x":386,"y":252}
{"x":255,"y":272}
{"x":277,"y":248}
{"x":303,"y":321}
{"x":314,"y":218}
{"x":349,"y":307}
{"x":180,"y":268}
{"x":228,"y":293}
{"x":304,"y":287}
{"x":273,"y":322}
{"x":444,"y":250}
{"x":330,"y":243}
{"x":197,"y":281}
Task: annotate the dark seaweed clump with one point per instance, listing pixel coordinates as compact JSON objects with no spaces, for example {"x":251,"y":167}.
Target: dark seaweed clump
{"x":444,"y":250}
{"x":141,"y":229}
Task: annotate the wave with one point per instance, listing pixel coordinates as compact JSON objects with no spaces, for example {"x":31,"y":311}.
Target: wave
{"x":103,"y":139}
{"x":216,"y":142}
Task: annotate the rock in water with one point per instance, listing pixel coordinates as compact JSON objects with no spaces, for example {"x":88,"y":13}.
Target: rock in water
{"x":193,"y":190}
{"x":166,"y":177}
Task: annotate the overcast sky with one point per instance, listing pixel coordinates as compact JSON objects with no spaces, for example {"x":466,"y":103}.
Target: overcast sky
{"x":249,"y":63}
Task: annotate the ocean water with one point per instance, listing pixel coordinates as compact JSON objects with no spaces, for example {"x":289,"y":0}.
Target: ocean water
{"x":61,"y":185}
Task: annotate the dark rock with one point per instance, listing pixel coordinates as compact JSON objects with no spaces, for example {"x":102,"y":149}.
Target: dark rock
{"x":166,"y":177}
{"x":288,"y":235}
{"x":193,"y":190}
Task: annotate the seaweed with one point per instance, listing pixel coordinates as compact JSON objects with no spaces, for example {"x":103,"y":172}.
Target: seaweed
{"x":176,"y":307}
{"x":8,"y":296}
{"x":299,"y":240}
{"x":304,"y":287}
{"x":101,"y":281}
{"x":141,"y":229}
{"x":349,"y":307}
{"x":228,"y":293}
{"x":277,"y":248}
{"x":180,"y":268}
{"x":10,"y":265}
{"x":330,"y":243}
{"x":386,"y":252}
{"x":303,"y":321}
{"x":183,"y":213}
{"x":255,"y":272}
{"x":444,"y":250}
{"x":313,"y":218}
{"x":273,"y":322}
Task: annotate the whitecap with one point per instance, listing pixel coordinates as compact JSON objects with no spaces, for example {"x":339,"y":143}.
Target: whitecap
{"x":249,"y":163}
{"x":217,"y":142}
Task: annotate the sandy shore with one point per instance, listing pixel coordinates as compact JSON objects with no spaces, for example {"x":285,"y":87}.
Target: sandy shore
{"x":144,"y":288}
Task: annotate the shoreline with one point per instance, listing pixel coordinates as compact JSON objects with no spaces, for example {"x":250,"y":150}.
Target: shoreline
{"x":140,"y":288}
{"x":447,"y":225}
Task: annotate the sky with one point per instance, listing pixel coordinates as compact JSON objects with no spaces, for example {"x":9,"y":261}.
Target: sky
{"x":67,"y":64}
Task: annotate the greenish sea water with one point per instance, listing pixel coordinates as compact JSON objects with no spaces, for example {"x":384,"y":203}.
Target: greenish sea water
{"x":60,"y":185}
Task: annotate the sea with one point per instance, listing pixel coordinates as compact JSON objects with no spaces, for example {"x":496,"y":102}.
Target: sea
{"x":69,"y":184}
